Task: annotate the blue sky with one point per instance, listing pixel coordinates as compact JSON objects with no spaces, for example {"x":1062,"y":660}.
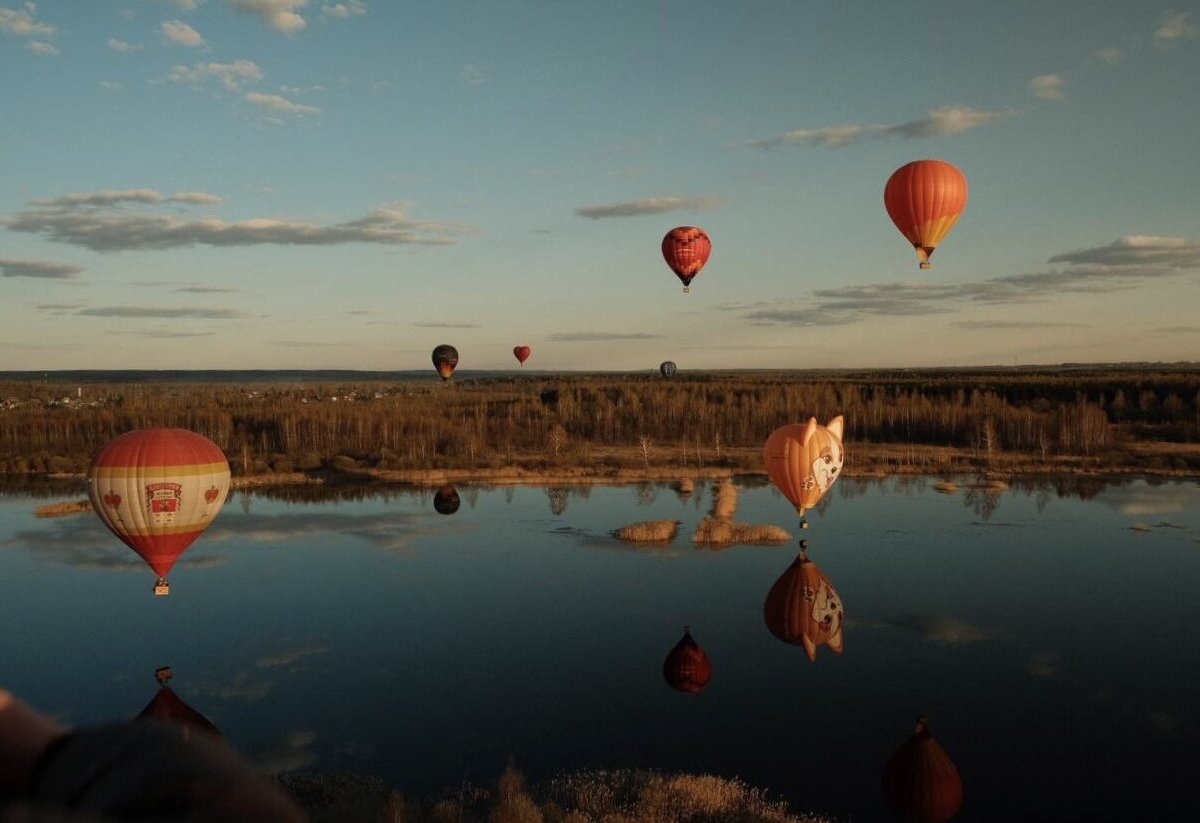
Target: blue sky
{"x":290,"y":184}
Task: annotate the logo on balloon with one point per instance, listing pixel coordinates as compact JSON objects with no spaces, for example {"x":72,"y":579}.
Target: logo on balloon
{"x":112,"y":499}
{"x":210,"y":495}
{"x":162,"y":501}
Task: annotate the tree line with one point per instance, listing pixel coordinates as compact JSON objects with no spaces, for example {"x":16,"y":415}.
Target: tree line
{"x":576,"y":418}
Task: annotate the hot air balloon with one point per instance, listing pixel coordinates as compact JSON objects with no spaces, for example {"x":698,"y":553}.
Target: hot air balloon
{"x":803,"y":461}
{"x":921,"y":782}
{"x":686,"y":250}
{"x":445,"y":360}
{"x":804,"y":609}
{"x":925,"y":198}
{"x":522,"y":353}
{"x":446,"y":500}
{"x":667,"y":369}
{"x":166,"y":705}
{"x":687,"y":668}
{"x":157,"y":490}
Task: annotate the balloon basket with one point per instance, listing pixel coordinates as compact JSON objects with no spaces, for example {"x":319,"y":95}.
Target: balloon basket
{"x":687,"y":289}
{"x":162,"y":588}
{"x":925,"y":264}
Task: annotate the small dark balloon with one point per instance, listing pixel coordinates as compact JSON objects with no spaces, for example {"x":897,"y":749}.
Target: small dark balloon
{"x":687,"y":668}
{"x":445,"y":360}
{"x":446,"y":500}
{"x":667,"y":369}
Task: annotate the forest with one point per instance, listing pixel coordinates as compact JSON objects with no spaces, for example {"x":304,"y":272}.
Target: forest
{"x":1084,"y":418}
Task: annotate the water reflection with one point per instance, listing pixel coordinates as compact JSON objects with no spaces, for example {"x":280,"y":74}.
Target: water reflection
{"x":167,"y":705}
{"x":804,"y":609}
{"x":687,"y":667}
{"x":446,"y":500}
{"x":921,"y":782}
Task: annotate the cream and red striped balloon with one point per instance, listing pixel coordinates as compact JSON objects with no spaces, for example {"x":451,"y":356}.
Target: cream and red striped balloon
{"x":686,"y":250}
{"x":925,"y":198}
{"x":157,"y":490}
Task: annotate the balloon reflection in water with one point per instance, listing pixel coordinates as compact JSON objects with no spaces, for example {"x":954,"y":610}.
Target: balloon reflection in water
{"x":921,"y":782}
{"x":687,"y":668}
{"x":158,"y":490}
{"x":804,"y":460}
{"x":445,"y":360}
{"x":445,"y":500}
{"x":166,"y":705}
{"x":804,"y":609}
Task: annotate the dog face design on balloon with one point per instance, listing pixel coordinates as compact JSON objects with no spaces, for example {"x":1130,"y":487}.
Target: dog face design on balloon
{"x":804,"y":459}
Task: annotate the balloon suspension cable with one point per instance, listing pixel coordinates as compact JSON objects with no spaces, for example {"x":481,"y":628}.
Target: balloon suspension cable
{"x":687,"y":629}
{"x":803,"y":548}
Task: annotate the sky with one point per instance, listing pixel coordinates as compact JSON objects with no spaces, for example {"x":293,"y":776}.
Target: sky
{"x":258,"y":184}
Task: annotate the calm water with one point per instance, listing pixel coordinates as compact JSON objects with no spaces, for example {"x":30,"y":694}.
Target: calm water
{"x":1051,"y":637}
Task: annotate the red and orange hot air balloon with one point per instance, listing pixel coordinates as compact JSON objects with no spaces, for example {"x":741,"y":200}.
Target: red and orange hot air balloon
{"x":803,"y":460}
{"x":522,"y":353}
{"x":687,"y":668}
{"x":445,"y":360}
{"x":920,"y":782}
{"x":925,"y":198}
{"x":804,"y":609}
{"x":167,"y":706}
{"x":686,"y":250}
{"x":157,"y":490}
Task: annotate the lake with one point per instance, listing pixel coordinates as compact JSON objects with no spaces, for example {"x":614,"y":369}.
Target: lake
{"x":1049,"y":631}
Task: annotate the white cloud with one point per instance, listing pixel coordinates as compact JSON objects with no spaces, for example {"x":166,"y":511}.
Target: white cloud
{"x":1174,"y":29}
{"x":1139,"y":250}
{"x":119,"y":45}
{"x":233,"y":76}
{"x":163,"y":313}
{"x":186,"y":5}
{"x":181,"y":34}
{"x":1048,"y":87}
{"x":275,"y":103}
{"x":38,"y":47}
{"x":96,"y":221}
{"x":649,"y":205}
{"x":350,"y":8}
{"x":21,"y":23}
{"x":110,"y":85}
{"x":473,"y":75}
{"x":278,"y":14}
{"x":1110,"y":56}
{"x":940,"y":121}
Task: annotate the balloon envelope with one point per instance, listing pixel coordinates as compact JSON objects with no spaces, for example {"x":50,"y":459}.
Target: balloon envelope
{"x":667,"y":369}
{"x":804,"y":459}
{"x":925,"y":198}
{"x":445,"y":360}
{"x":804,"y":609}
{"x":687,"y":668}
{"x":168,"y":706}
{"x":522,"y":353}
{"x":446,"y":500}
{"x":921,"y":782}
{"x":157,"y":490}
{"x":686,"y":250}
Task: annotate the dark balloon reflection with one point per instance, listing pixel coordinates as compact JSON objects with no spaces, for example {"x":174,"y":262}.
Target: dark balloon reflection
{"x":804,"y":609}
{"x":687,"y":668}
{"x":921,"y":782}
{"x":446,"y":500}
{"x":166,"y":705}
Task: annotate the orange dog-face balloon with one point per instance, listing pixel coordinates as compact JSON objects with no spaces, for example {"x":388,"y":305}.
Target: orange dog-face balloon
{"x":804,"y":609}
{"x":803,"y":460}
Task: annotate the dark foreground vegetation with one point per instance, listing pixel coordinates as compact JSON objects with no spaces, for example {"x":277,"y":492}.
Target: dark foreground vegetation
{"x":1144,"y":419}
{"x":622,"y":796}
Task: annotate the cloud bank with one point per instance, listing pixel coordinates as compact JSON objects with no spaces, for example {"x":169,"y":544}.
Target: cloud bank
{"x":92,"y":221}
{"x":650,"y":205}
{"x":941,"y":121}
{"x":1123,"y":264}
{"x":280,"y":15}
{"x":38,"y":268}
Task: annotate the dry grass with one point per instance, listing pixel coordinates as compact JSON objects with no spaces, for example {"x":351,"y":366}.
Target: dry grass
{"x":63,"y":509}
{"x":685,"y":486}
{"x":650,"y":531}
{"x":712,"y":531}
{"x":725,"y":500}
{"x":621,"y":796}
{"x":945,"y":487}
